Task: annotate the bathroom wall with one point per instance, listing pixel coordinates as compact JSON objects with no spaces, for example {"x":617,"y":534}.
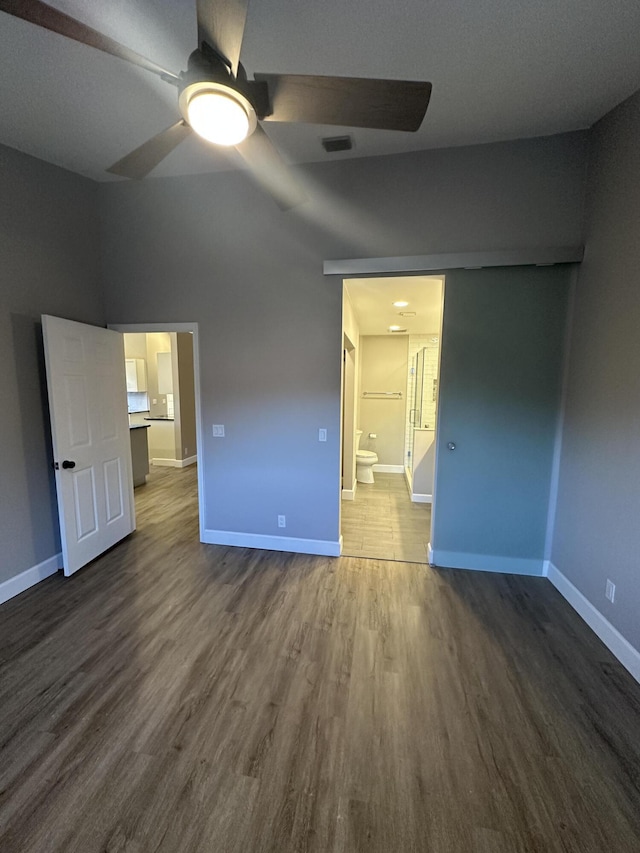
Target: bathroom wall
{"x":383,"y":367}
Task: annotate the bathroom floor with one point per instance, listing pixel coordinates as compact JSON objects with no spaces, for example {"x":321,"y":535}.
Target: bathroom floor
{"x":382,"y":522}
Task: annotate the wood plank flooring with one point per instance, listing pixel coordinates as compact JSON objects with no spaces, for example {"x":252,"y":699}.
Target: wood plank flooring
{"x":382,"y":522}
{"x":179,"y":697}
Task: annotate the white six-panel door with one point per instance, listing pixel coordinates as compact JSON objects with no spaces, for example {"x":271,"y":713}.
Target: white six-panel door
{"x":90,"y":433}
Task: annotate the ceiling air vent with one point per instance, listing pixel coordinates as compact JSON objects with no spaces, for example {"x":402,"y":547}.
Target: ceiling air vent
{"x":337,"y":143}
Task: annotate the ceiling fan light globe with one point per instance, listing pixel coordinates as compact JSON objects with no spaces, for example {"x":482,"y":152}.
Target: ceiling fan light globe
{"x":218,"y":118}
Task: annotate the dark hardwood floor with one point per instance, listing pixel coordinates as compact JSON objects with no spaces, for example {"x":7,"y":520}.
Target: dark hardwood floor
{"x":174,"y":696}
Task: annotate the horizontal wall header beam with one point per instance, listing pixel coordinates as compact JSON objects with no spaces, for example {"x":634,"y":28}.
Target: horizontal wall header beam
{"x":455,"y":260}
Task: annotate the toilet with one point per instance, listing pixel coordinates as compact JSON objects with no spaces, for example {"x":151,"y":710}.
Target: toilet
{"x":365,"y":460}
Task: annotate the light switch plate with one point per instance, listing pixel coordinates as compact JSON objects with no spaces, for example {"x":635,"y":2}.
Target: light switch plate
{"x":218,"y":430}
{"x":322,"y":435}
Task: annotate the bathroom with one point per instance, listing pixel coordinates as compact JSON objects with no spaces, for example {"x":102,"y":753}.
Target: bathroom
{"x":391,"y":353}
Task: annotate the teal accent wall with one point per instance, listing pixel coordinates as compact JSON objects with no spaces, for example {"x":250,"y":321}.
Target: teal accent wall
{"x":502,"y":346}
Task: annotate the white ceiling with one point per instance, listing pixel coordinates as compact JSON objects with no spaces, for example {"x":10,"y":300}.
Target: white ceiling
{"x":501,"y":69}
{"x":372,"y":301}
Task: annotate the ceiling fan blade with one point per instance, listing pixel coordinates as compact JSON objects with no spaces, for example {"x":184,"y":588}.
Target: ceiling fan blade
{"x":140,"y":162}
{"x":221,"y":26}
{"x":49,"y":18}
{"x":347,"y":101}
{"x":270,"y":170}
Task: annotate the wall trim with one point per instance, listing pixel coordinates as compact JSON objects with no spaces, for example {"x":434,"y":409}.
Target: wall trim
{"x":349,"y":494}
{"x":321,"y":547}
{"x":30,"y":577}
{"x":620,"y":647}
{"x":430,"y":554}
{"x":421,"y":499}
{"x":174,"y":463}
{"x":487,"y":563}
{"x":389,"y":469}
{"x":455,"y":260}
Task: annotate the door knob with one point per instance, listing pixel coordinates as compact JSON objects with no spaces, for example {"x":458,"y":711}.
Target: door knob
{"x":68,"y":463}
{"x":451,"y":445}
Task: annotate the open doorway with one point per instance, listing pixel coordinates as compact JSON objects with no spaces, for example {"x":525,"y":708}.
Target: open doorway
{"x":163,"y":395}
{"x":390,"y":414}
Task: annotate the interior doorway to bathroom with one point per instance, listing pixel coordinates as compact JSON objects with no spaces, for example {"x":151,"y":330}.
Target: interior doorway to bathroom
{"x":390,"y":399}
{"x":163,"y":394}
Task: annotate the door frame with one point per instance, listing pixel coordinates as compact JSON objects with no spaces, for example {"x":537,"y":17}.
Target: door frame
{"x":150,"y":328}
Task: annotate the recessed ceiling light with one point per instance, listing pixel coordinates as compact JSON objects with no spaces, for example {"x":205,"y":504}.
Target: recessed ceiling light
{"x":400,"y":304}
{"x":407,"y":313}
{"x":396,"y":329}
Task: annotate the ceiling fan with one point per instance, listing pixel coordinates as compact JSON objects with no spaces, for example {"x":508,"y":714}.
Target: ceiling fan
{"x":219,"y":103}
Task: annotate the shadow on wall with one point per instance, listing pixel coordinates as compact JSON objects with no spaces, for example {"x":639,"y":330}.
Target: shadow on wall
{"x":35,"y":435}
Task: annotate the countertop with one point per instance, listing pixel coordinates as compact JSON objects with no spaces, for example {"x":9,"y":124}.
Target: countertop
{"x":139,"y":426}
{"x":160,"y":418}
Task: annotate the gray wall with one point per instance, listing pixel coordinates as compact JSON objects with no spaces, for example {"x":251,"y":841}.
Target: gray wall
{"x":500,"y":376}
{"x":48,"y":265}
{"x":213,"y":248}
{"x":596,"y":533}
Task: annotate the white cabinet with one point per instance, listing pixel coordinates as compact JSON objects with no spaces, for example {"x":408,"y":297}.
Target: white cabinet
{"x":136,"y":374}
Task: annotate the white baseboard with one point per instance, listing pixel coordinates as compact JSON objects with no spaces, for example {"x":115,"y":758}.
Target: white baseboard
{"x":174,"y":463}
{"x":487,"y":563}
{"x":421,"y":499}
{"x":321,"y":547}
{"x":350,"y":494}
{"x":389,"y":469}
{"x":430,"y":554}
{"x":628,"y":656}
{"x":30,"y":577}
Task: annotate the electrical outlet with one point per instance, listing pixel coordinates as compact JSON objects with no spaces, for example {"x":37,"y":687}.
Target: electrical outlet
{"x":186,"y":450}
{"x":610,"y":591}
{"x":218,"y":430}
{"x":322,"y":435}
{"x":282,"y":521}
